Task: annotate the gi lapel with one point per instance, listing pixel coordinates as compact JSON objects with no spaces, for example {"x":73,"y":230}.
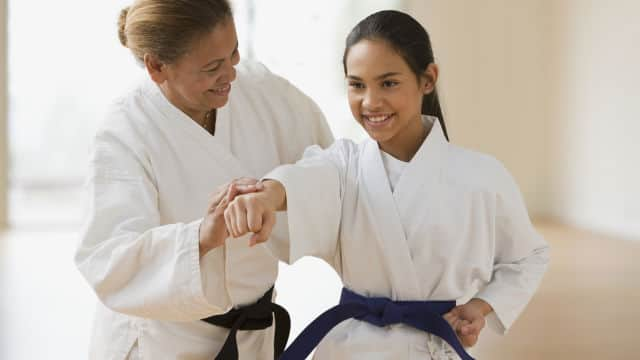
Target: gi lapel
{"x":422,"y":173}
{"x":217,"y":146}
{"x":418,"y":192}
{"x":388,"y":229}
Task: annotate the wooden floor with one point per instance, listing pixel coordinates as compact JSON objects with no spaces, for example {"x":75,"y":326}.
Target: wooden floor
{"x":588,"y":306}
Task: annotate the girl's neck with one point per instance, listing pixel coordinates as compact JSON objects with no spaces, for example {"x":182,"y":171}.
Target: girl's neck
{"x":405,"y":144}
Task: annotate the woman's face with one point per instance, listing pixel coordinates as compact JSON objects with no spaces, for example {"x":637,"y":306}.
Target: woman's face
{"x":385,"y":96}
{"x":201,"y":79}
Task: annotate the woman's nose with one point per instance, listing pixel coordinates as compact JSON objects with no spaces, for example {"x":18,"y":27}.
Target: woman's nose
{"x":229,"y":73}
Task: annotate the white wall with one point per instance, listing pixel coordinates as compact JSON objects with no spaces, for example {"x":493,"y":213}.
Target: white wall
{"x":312,"y":57}
{"x":552,"y":89}
{"x":595,"y":115}
{"x":3,"y":114}
{"x":492,"y":82}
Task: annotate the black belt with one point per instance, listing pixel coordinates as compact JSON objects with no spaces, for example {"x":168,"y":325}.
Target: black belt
{"x":253,"y":317}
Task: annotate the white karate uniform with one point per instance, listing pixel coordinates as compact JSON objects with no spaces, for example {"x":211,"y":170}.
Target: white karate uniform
{"x":455,"y":221}
{"x":152,"y":170}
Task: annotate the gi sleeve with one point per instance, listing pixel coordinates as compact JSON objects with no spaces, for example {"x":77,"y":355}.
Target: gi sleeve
{"x":521,"y":257}
{"x":314,"y":190}
{"x":135,"y":264}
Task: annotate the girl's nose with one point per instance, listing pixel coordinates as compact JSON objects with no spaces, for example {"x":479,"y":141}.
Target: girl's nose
{"x":372,"y":100}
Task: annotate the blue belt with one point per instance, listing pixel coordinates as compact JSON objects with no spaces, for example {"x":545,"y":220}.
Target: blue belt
{"x":422,"y":315}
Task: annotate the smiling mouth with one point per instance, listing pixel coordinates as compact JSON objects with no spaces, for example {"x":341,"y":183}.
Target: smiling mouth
{"x":223,"y":90}
{"x":377,"y":119}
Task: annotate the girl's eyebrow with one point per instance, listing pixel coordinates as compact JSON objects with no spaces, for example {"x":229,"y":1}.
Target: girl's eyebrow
{"x":385,"y":75}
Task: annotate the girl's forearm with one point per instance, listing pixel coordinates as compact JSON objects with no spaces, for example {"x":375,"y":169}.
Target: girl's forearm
{"x":276,"y":195}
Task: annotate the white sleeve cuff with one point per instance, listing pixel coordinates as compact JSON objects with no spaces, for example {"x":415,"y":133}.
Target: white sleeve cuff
{"x":207,"y":287}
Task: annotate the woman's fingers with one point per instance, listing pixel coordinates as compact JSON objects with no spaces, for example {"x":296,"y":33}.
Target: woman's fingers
{"x":250,"y":188}
{"x":246,"y":189}
{"x":217,"y":197}
{"x":220,"y":207}
{"x":232,"y":189}
{"x":246,"y":185}
{"x":245,"y":181}
{"x":223,"y":193}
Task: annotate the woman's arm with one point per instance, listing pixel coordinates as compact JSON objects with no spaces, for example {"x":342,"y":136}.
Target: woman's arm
{"x":135,"y":264}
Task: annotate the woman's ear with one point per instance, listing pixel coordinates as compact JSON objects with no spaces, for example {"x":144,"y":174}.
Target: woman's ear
{"x":156,"y":69}
{"x":430,"y":77}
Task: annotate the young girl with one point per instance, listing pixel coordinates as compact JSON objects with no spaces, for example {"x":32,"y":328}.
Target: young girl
{"x":410,"y":222}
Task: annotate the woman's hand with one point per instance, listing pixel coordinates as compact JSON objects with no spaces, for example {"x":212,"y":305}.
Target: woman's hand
{"x":468,"y":320}
{"x":243,"y":185}
{"x":213,"y":230}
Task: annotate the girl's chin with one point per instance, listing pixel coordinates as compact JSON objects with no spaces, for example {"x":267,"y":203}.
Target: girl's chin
{"x":379,"y":136}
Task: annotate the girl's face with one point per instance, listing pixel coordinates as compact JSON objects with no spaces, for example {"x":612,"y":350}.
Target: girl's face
{"x":201,"y":79}
{"x":385,"y":96}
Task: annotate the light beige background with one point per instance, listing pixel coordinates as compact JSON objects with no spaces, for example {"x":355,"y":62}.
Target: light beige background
{"x":3,"y":114}
{"x":551,"y":88}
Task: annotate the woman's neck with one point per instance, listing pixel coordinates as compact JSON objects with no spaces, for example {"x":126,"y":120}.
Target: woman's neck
{"x":199,"y":116}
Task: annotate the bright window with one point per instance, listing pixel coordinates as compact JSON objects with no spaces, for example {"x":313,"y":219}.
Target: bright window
{"x":66,"y":64}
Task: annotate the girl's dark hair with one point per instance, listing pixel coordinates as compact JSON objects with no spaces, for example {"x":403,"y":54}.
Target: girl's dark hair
{"x":166,"y":28}
{"x":407,"y":37}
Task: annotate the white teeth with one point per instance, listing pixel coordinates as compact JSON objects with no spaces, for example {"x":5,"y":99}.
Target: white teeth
{"x":223,"y":88}
{"x":378,"y":118}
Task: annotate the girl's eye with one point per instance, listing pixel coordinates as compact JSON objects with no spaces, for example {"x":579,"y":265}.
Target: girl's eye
{"x":212,"y":70}
{"x":356,"y":85}
{"x":389,"y":83}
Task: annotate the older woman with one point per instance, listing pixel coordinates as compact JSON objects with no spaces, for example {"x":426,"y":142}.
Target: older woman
{"x":153,"y":247}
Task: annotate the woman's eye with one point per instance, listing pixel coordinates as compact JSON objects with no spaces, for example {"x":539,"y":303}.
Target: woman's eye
{"x":356,"y":85}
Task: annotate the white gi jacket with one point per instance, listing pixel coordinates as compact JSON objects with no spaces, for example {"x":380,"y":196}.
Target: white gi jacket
{"x":152,"y":170}
{"x":455,"y":220}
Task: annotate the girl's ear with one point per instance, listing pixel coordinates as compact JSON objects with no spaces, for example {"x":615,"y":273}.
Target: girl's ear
{"x":430,"y":77}
{"x":156,"y":69}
